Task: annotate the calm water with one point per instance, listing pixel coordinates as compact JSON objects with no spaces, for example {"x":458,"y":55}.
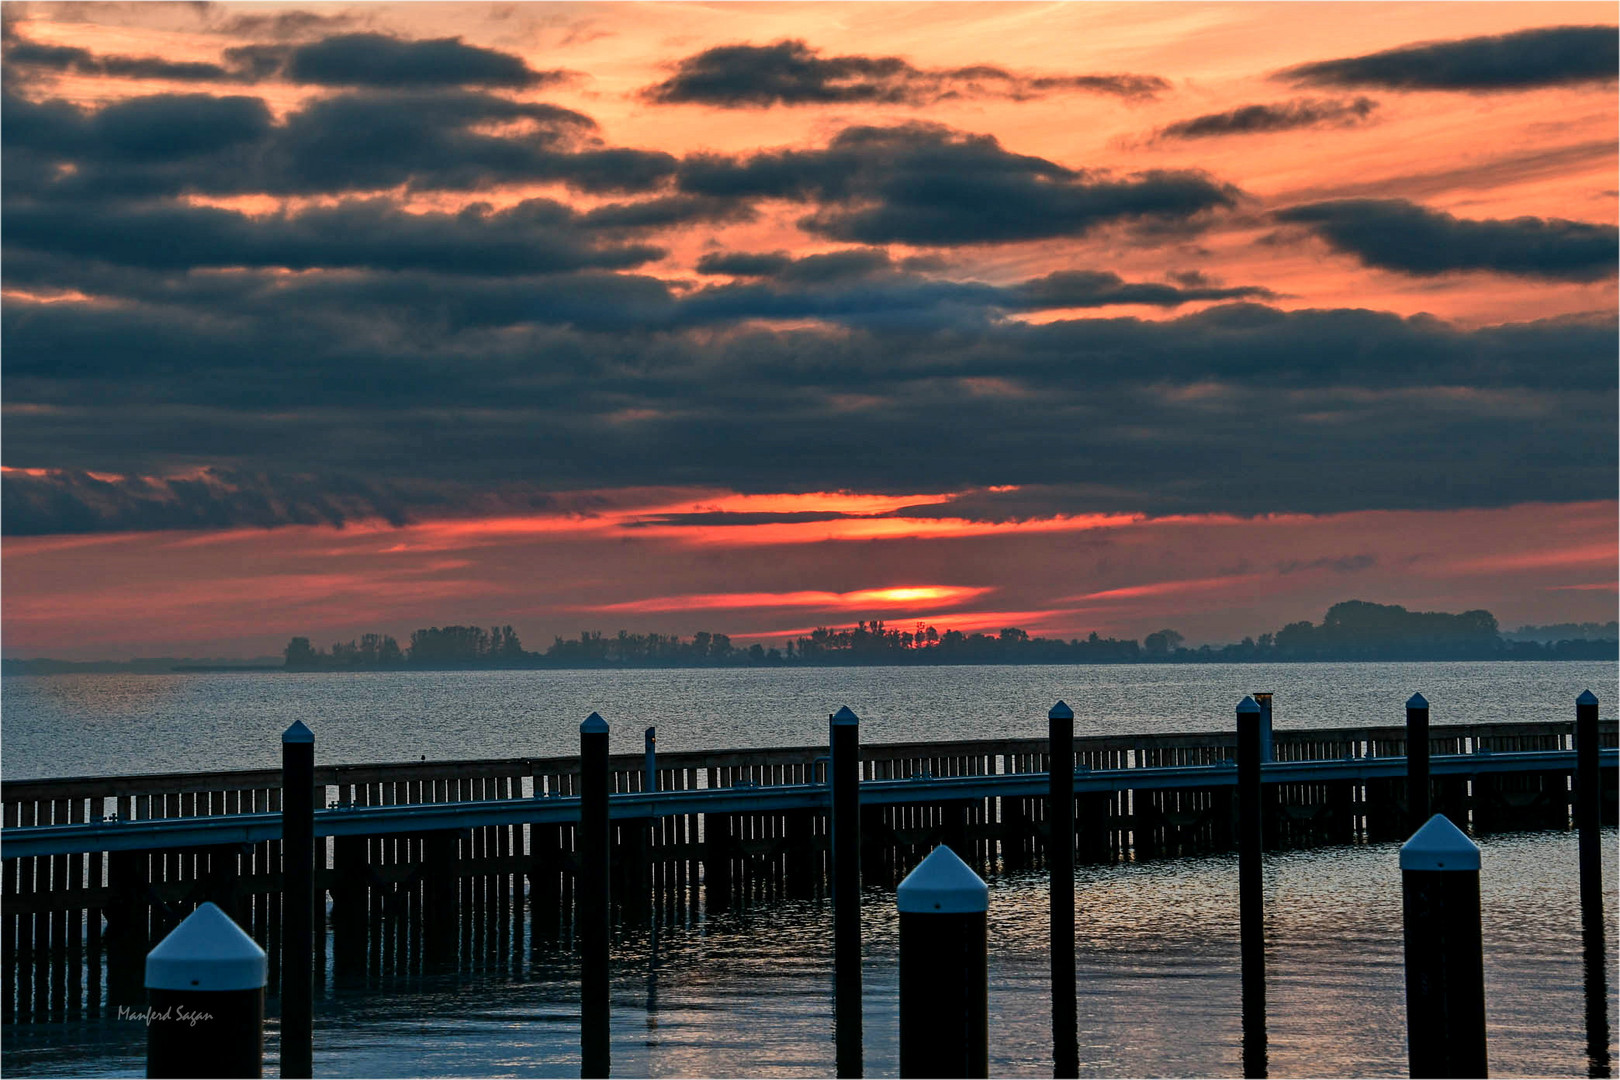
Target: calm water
{"x":85,"y":725}
{"x":751,"y":994}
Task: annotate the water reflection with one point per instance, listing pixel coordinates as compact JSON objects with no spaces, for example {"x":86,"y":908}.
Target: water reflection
{"x":749,"y":992}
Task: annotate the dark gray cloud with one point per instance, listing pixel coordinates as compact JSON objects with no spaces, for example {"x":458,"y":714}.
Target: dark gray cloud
{"x":928,"y":185}
{"x":1280,"y":116}
{"x":67,"y":501}
{"x":537,"y":236}
{"x":31,"y":57}
{"x":1546,"y":56}
{"x":473,"y":384}
{"x":790,"y":72}
{"x":1394,"y":234}
{"x":172,"y":144}
{"x":381,"y":61}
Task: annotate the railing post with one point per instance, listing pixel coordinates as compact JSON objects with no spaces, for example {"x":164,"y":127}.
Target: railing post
{"x":944,"y":988}
{"x":205,"y":1000}
{"x":591,"y":903}
{"x":1251,"y":901}
{"x":1060,"y":886}
{"x":297,"y":900}
{"x":1417,"y":762}
{"x":1445,"y":974}
{"x":844,"y":734}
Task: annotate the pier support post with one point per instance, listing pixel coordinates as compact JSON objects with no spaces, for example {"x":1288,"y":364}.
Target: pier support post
{"x":717,"y":861}
{"x":1251,"y":902}
{"x":441,"y":895}
{"x":297,"y":900}
{"x":944,"y":986}
{"x":205,"y":989}
{"x":127,"y":922}
{"x":1445,"y":974}
{"x":591,"y":904}
{"x":845,"y":736}
{"x":1060,"y":871}
{"x":1417,"y":762}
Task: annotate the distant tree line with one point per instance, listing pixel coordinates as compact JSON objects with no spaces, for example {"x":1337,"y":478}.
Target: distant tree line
{"x":1353,"y":630}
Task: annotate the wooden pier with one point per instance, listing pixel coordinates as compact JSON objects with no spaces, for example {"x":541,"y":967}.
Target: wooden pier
{"x":434,"y":863}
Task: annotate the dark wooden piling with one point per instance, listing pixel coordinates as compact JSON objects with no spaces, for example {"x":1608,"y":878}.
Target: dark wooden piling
{"x":944,"y":986}
{"x":1417,"y":762}
{"x":298,"y":900}
{"x":1588,"y":815}
{"x":205,"y":992}
{"x":1251,"y":900}
{"x":844,"y":735}
{"x":591,"y":910}
{"x":1445,"y":973}
{"x":1060,"y":885}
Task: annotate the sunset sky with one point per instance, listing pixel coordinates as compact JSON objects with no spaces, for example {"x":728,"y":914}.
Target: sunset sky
{"x":325,"y":319}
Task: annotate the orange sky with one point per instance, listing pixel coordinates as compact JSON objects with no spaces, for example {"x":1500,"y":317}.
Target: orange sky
{"x":655,"y":549}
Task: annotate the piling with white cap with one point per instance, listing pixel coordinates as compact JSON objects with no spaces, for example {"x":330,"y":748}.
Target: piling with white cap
{"x":844,"y":737}
{"x":1588,"y":812}
{"x":1060,"y":887}
{"x":1445,"y":972}
{"x":1251,"y":899}
{"x":944,"y":983}
{"x":592,"y":897}
{"x":1418,"y":806}
{"x":297,"y":900}
{"x":205,"y":1000}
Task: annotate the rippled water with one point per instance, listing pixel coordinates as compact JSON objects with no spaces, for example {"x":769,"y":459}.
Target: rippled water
{"x":1157,"y":950}
{"x":81,"y":725}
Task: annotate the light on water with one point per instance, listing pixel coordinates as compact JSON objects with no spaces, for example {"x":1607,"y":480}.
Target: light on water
{"x":750,"y":992}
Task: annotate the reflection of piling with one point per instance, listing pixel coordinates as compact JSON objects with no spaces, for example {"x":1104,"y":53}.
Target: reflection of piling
{"x":944,"y":1026}
{"x":1060,"y":868}
{"x":205,"y":989}
{"x":1445,"y":971}
{"x":1417,"y":762}
{"x":591,"y":907}
{"x":1251,"y":901}
{"x":297,"y":900}
{"x":845,"y":736}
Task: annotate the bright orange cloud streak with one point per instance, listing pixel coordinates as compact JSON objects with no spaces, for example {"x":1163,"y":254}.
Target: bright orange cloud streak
{"x":916,"y":597}
{"x":1165,"y":588}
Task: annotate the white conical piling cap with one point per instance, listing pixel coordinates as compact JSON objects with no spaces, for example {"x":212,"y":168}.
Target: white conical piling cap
{"x":1439,"y":845}
{"x":207,"y":951}
{"x":1060,"y":711}
{"x":942,"y":884}
{"x":593,"y":725}
{"x":1248,"y":705}
{"x":1417,"y":701}
{"x":297,"y":733}
{"x":845,"y":715}
{"x":1586,"y":698}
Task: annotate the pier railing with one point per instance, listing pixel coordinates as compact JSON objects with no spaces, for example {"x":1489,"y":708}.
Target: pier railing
{"x":740,"y":826}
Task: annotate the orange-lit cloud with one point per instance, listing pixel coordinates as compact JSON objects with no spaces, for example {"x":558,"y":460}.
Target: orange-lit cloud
{"x":893,"y":598}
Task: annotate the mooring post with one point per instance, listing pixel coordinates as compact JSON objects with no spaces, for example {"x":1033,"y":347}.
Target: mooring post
{"x":844,"y":734}
{"x":591,"y":904}
{"x":1251,"y":902}
{"x":1417,"y":761}
{"x":649,"y":781}
{"x":1060,"y":868}
{"x":297,"y":900}
{"x":1588,"y":802}
{"x":205,"y":992}
{"x":1445,"y":973}
{"x":944,"y":985}
{"x":1267,"y":749}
